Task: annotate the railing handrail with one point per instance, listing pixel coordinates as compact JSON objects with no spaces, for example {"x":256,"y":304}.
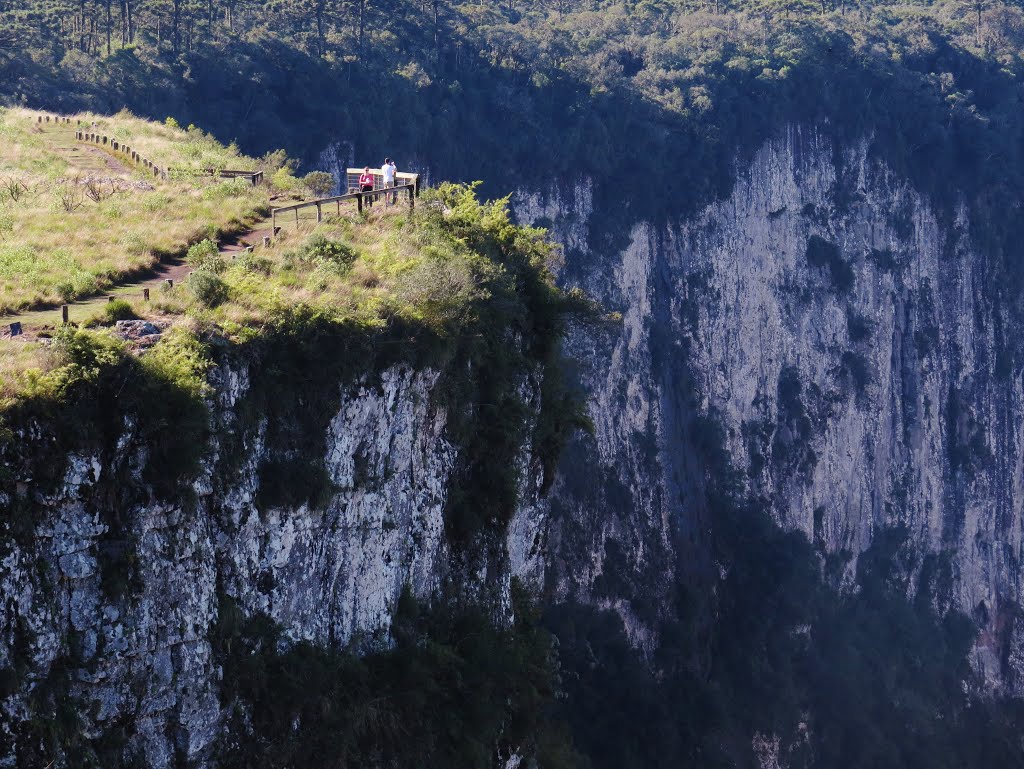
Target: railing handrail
{"x":338,"y":198}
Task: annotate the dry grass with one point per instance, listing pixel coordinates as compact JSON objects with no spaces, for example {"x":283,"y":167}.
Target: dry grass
{"x":22,"y":363}
{"x":75,"y":220}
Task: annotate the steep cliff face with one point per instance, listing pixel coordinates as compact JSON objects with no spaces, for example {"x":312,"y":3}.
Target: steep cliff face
{"x":111,"y":597}
{"x":851,"y":340}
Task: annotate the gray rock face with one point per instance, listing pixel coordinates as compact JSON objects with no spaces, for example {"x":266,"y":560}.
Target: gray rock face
{"x":850,"y":342}
{"x":123,"y":619}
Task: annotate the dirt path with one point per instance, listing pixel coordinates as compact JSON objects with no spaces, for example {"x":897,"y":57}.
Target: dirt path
{"x":85,"y":158}
{"x":93,"y":161}
{"x":177,"y":271}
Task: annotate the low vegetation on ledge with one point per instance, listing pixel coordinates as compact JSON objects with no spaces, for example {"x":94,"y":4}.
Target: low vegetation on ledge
{"x":452,"y":284}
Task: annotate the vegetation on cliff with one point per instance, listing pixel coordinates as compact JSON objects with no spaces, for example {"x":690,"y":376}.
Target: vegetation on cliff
{"x":451,"y":284}
{"x":448,"y":689}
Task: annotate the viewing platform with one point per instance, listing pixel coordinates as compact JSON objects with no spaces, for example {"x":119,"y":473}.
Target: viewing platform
{"x":406,"y":184}
{"x":401,"y":179}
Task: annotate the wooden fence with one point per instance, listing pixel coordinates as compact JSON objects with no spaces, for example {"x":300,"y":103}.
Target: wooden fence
{"x":358,"y":197}
{"x":254,"y":177}
{"x":115,"y":146}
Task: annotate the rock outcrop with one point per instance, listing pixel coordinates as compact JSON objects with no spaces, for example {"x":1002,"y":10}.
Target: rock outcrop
{"x":111,"y":597}
{"x":848,"y":335}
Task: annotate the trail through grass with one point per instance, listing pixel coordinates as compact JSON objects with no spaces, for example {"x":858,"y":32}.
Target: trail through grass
{"x":76,"y":220}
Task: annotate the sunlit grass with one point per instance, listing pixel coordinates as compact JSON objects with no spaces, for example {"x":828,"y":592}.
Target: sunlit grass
{"x":61,"y":239}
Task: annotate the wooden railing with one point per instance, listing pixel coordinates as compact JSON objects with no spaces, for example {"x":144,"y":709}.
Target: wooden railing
{"x":254,"y":177}
{"x":358,"y":197}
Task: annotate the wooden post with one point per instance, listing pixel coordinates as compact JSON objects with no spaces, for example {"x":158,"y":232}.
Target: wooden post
{"x":273,"y":222}
{"x":411,"y":197}
{"x":319,"y":214}
{"x":16,"y":329}
{"x":64,"y":314}
{"x":296,"y":217}
{"x":39,"y":119}
{"x":110,"y":299}
{"x":169,"y":282}
{"x":145,"y":294}
{"x":359,"y":202}
{"x":266,"y":241}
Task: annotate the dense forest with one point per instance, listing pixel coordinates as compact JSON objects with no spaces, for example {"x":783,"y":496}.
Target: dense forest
{"x":606,"y":89}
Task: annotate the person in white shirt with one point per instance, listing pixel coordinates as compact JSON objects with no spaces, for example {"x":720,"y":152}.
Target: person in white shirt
{"x":389,"y":171}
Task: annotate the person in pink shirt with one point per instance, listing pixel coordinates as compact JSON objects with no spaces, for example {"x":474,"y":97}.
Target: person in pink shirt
{"x":366,"y":183}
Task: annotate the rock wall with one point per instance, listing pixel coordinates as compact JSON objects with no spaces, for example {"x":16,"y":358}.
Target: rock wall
{"x":853,"y":343}
{"x":123,"y":620}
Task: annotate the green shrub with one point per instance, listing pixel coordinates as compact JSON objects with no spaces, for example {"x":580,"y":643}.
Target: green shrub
{"x":205,"y":255}
{"x":451,"y":689}
{"x":283,"y":180}
{"x":330,"y":253}
{"x":294,"y":482}
{"x":119,"y":309}
{"x":256,"y":265}
{"x":207,"y":287}
{"x":319,"y":183}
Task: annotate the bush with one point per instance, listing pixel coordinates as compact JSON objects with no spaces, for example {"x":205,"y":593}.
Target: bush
{"x":256,"y":265}
{"x":283,"y":180}
{"x":330,"y":253}
{"x":205,"y":256}
{"x":319,"y":183}
{"x":207,"y":287}
{"x":119,"y":309}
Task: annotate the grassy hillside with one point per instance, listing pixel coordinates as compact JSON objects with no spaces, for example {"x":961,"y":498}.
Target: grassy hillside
{"x":76,"y":219}
{"x":451,"y":278}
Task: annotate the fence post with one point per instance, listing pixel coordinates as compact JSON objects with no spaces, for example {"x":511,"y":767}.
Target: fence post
{"x":359,"y":202}
{"x":145,"y":294}
{"x":319,"y":214}
{"x":64,"y":314}
{"x":169,"y":282}
{"x":266,"y":241}
{"x":273,"y":222}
